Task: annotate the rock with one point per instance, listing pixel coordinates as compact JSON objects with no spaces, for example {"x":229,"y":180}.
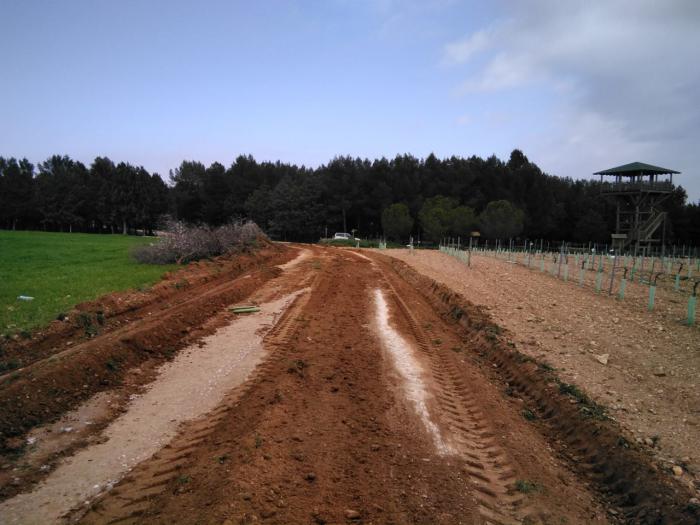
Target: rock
{"x":694,"y":501}
{"x":660,"y":372}
{"x":649,"y":441}
{"x":352,"y":514}
{"x":602,"y":358}
{"x":677,"y":471}
{"x":246,"y":496}
{"x":310,"y":476}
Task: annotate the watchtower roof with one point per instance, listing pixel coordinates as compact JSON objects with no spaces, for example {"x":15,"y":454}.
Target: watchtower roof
{"x":636,"y":168}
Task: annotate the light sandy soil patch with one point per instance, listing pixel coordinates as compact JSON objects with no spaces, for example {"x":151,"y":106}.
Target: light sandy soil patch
{"x":302,"y":256}
{"x":189,"y":386}
{"x":642,"y":366}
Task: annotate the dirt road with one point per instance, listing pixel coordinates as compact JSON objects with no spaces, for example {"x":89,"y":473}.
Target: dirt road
{"x":362,"y":392}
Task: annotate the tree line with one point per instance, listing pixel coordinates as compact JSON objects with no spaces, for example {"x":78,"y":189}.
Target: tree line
{"x":62,"y":194}
{"x":430,"y":198}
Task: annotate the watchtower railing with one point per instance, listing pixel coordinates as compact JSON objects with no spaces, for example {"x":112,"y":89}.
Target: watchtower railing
{"x":634,"y":187}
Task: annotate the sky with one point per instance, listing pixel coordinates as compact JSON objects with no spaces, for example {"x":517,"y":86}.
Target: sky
{"x":579,"y":86}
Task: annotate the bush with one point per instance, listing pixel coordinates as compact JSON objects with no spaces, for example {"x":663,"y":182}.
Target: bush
{"x":181,"y":243}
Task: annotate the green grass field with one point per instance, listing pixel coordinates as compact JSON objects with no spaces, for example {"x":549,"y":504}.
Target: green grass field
{"x":63,"y":269}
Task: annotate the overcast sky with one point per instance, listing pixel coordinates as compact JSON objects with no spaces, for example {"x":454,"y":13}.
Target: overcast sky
{"x":578,"y":86}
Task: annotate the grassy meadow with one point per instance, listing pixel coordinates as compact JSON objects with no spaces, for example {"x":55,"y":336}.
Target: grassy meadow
{"x":63,"y":269}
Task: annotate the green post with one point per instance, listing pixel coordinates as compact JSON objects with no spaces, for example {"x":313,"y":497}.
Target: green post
{"x":623,"y":285}
{"x":566,"y":273}
{"x":652,"y":294}
{"x":580,"y":276}
{"x":542,"y":264}
{"x":691,"y":310}
{"x":634,"y":270}
{"x":598,"y":281}
{"x":677,"y":283}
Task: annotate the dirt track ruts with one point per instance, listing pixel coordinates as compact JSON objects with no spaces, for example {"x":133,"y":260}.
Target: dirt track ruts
{"x":324,"y":430}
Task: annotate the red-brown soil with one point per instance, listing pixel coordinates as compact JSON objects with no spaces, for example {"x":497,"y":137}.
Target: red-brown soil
{"x":66,"y":365}
{"x":325,"y":430}
{"x":644,"y":367}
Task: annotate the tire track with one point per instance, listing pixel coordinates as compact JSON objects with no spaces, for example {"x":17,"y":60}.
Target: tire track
{"x":134,"y":495}
{"x":488,"y":465}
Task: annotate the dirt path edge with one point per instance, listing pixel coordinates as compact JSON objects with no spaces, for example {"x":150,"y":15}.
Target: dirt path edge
{"x":577,"y":428}
{"x":47,"y":388}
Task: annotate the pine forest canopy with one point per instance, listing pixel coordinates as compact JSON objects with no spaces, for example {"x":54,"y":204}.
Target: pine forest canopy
{"x":447,"y":196}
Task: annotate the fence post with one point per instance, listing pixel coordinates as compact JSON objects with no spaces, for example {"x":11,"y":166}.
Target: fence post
{"x":598,"y":281}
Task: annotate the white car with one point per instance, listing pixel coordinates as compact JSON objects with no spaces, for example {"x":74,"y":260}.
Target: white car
{"x":343,"y":237}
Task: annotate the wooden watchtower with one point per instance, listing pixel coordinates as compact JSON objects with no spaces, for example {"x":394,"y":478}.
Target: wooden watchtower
{"x":639,"y":190}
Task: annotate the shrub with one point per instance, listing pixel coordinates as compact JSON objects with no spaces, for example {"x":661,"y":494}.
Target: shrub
{"x":181,"y":243}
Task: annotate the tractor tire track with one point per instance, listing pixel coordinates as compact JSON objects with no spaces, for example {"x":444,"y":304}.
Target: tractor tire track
{"x":133,"y":497}
{"x":488,"y":465}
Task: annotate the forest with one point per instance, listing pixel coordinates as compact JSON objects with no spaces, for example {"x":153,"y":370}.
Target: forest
{"x":429,"y":198}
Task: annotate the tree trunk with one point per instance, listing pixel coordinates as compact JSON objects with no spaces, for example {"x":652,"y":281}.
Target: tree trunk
{"x":14,"y":224}
{"x":124,"y":227}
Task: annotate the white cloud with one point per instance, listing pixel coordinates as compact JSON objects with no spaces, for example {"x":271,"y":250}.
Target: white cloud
{"x":502,"y":72}
{"x":463,"y":50}
{"x":464,"y":120}
{"x":624,"y":72}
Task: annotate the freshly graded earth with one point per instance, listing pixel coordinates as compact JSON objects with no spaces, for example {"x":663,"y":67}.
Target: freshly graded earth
{"x":363,"y":391}
{"x":644,"y":367}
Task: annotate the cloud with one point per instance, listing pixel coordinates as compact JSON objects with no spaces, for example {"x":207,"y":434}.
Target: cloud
{"x":624,"y":72}
{"x":464,"y":120}
{"x":462,"y":50}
